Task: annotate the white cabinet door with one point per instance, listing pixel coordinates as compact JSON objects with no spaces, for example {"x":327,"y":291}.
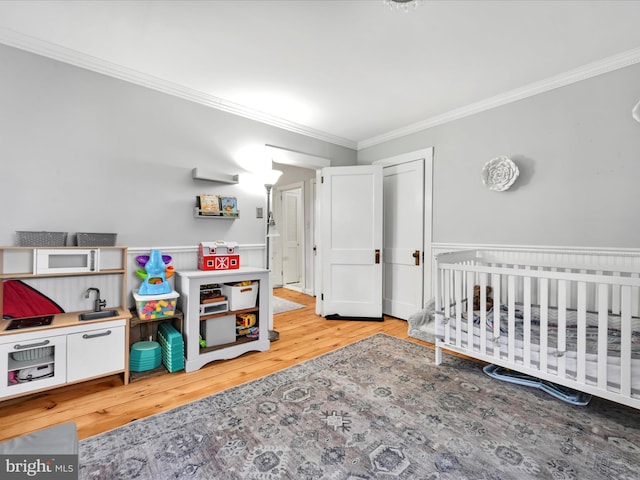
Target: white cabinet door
{"x":350,"y":241}
{"x":96,"y":352}
{"x":32,"y":364}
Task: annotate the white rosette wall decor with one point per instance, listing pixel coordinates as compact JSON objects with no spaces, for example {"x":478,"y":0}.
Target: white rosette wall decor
{"x":635,"y":113}
{"x":499,"y":173}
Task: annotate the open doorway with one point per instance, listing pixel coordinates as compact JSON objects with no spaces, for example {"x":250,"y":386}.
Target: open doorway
{"x":294,"y":213}
{"x":293,"y":248}
{"x":292,"y":235}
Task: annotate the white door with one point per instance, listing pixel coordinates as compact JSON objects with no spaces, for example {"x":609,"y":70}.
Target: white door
{"x":349,"y":241}
{"x":291,"y":236}
{"x":403,"y":266}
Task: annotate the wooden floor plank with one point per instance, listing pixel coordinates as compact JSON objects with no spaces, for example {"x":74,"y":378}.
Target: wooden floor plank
{"x":103,"y":404}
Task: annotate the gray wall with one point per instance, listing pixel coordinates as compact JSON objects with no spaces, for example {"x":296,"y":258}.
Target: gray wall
{"x":578,"y":150}
{"x":84,"y":152}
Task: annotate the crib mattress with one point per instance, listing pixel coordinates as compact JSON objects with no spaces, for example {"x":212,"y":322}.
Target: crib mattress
{"x":570,"y":350}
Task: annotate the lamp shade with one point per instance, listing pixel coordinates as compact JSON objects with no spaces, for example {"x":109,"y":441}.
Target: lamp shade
{"x":271,"y":177}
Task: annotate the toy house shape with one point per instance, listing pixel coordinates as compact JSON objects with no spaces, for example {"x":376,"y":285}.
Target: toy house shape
{"x":218,"y":255}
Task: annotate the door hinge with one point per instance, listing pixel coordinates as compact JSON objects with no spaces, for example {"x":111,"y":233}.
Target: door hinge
{"x":322,"y":179}
{"x":322,"y":296}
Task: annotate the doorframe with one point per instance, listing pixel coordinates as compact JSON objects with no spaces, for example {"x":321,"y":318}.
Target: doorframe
{"x":427,"y":155}
{"x":309,"y":161}
{"x":278,"y":276}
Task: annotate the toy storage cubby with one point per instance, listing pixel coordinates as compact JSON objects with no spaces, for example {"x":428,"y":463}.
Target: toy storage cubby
{"x":193,"y":286}
{"x":141,"y":330}
{"x":156,"y":344}
{"x":64,"y":349}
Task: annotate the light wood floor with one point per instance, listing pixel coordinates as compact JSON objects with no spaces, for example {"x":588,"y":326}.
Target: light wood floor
{"x":100,"y":405}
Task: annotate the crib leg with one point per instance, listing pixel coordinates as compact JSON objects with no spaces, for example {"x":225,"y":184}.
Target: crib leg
{"x":438,"y":355}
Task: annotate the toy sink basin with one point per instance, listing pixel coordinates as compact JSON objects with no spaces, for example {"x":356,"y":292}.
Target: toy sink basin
{"x":98,"y":315}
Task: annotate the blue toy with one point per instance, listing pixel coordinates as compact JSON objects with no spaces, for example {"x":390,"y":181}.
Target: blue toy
{"x":155,"y":282}
{"x":565,"y":394}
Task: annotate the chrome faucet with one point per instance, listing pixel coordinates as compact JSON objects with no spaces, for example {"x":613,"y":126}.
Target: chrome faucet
{"x":98,"y":304}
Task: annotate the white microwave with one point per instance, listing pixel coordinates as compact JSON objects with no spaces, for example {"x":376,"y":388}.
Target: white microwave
{"x":66,"y":260}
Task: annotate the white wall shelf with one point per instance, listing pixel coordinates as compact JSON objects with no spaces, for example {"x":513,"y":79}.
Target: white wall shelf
{"x":199,"y":214}
{"x":210,"y":176}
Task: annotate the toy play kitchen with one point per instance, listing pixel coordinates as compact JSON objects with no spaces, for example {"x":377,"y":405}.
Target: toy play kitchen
{"x":64,"y":315}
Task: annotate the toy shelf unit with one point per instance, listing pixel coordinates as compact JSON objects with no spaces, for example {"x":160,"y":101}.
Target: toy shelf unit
{"x":216,"y":206}
{"x":224,"y":329}
{"x":41,"y":351}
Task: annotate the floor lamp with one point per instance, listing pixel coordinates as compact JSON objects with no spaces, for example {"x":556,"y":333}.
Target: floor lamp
{"x":271,"y":178}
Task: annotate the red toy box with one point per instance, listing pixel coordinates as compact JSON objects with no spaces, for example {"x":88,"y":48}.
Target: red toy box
{"x":218,"y":255}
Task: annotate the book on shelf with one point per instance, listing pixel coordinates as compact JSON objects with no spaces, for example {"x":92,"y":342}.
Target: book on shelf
{"x":209,"y":204}
{"x":229,"y":206}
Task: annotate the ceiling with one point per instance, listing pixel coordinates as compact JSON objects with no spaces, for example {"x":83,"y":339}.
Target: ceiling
{"x":348,"y":71}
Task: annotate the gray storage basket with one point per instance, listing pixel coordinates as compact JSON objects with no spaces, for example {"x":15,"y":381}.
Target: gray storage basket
{"x":42,"y":239}
{"x":32,"y":354}
{"x":96,"y":239}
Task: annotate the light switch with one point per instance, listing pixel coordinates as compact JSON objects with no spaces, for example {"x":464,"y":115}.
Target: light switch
{"x":259,"y":213}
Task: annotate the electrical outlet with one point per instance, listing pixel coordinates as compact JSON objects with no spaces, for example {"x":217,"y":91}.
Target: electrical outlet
{"x":259,"y":212}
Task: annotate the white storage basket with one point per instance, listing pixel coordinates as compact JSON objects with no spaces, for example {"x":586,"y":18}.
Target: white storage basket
{"x":32,"y":354}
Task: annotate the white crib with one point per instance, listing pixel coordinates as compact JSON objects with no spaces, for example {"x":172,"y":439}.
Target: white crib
{"x":569,"y":319}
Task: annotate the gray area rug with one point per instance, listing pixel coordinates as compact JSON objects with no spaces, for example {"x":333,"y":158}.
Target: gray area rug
{"x":378,"y":408}
{"x":280,"y":305}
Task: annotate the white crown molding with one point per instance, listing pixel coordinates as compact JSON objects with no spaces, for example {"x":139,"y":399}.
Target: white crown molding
{"x":88,"y":62}
{"x":600,"y":67}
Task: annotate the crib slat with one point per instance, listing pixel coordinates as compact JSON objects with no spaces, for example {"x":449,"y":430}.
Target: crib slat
{"x":544,"y":323}
{"x":581,"y":332}
{"x":635,"y":298}
{"x":603,"y":320}
{"x":511,"y":318}
{"x":483,"y":318}
{"x":457,"y":292}
{"x":447,"y":304}
{"x":495,"y":340}
{"x":615,"y":293}
{"x":625,"y":339}
{"x":526,"y":323}
{"x":562,"y":328}
{"x":470,"y":283}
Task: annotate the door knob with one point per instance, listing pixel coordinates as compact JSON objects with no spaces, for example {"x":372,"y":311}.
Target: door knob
{"x":416,"y":256}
